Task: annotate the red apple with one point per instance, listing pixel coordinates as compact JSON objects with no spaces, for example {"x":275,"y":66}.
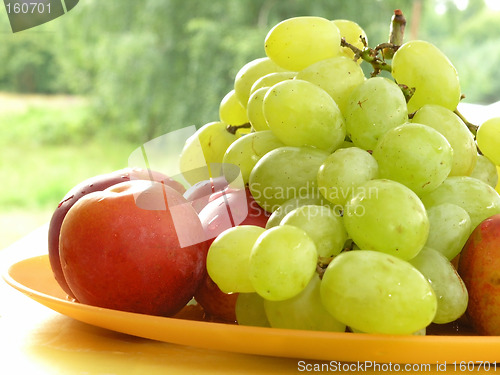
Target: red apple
{"x":216,"y":304}
{"x":90,"y":185}
{"x":200,"y":193}
{"x":479,"y":268}
{"x":137,"y":246}
{"x":229,"y":208}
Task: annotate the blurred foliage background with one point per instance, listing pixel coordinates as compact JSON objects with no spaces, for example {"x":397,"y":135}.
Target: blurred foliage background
{"x":78,"y":94}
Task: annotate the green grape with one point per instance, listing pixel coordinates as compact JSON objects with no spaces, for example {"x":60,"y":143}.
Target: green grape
{"x":498,"y":186}
{"x":485,"y":171}
{"x":488,"y":139}
{"x":228,"y":258}
{"x":455,"y":131}
{"x":250,"y":311}
{"x":206,"y":146}
{"x":255,"y":110}
{"x":271,"y":79}
{"x":451,"y":293}
{"x":282,"y":262}
{"x":301,"y":41}
{"x":246,"y":151}
{"x":476,"y":197}
{"x":231,"y":111}
{"x":386,"y":216}
{"x":377,"y":293}
{"x":353,"y":34}
{"x":285,"y":173}
{"x":291,"y":204}
{"x":374,"y":107}
{"x":304,"y":311}
{"x":449,"y":229}
{"x":249,"y":73}
{"x":420,"y":332}
{"x":303,"y":114}
{"x":415,"y":155}
{"x":343,"y":171}
{"x":338,"y":76}
{"x":421,"y":65}
{"x":322,"y":224}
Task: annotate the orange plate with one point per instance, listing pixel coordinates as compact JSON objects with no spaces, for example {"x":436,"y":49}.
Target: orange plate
{"x":33,"y":276}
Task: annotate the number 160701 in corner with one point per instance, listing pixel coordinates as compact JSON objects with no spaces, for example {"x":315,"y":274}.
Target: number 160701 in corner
{"x":472,"y":366}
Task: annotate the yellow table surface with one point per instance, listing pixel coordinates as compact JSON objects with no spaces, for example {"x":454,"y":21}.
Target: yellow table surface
{"x":37,"y":340}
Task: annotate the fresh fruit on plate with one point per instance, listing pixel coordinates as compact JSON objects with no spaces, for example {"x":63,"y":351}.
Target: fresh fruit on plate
{"x":137,"y":246}
{"x":90,"y":185}
{"x":216,"y":304}
{"x":320,"y":199}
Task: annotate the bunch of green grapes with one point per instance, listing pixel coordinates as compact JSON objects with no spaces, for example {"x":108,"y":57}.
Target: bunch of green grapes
{"x":373,"y":183}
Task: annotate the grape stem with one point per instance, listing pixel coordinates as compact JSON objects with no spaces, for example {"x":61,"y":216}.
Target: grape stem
{"x":234,"y":128}
{"x":396,"y":34}
{"x":370,"y":55}
{"x":379,"y":63}
{"x":472,"y":128}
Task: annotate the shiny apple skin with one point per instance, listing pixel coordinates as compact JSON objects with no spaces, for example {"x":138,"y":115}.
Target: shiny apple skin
{"x":217,"y":305}
{"x":117,"y":255}
{"x":95,"y":183}
{"x":479,"y":268}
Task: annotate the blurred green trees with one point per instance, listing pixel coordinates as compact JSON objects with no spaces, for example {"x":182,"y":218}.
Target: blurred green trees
{"x":155,"y":65}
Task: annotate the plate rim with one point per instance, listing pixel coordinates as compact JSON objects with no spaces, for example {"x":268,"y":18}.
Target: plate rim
{"x":381,"y":343}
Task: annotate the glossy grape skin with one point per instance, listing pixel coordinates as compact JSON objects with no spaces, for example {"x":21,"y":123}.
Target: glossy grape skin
{"x":485,"y":171}
{"x":421,"y":65}
{"x":250,"y":311}
{"x":285,"y":173}
{"x":377,"y":293}
{"x":415,"y":155}
{"x":322,"y":224}
{"x":271,"y":79}
{"x":476,"y":197}
{"x":302,"y":114}
{"x":455,"y":131}
{"x":451,"y":293}
{"x":343,"y":171}
{"x":228,"y":258}
{"x":374,"y":107}
{"x":207,"y":146}
{"x":255,"y":110}
{"x":386,"y":216}
{"x":304,"y":311}
{"x":282,"y":262}
{"x":281,"y":211}
{"x":301,"y":41}
{"x":450,"y":227}
{"x":338,"y":76}
{"x":231,"y":111}
{"x":488,"y":139}
{"x":251,"y":72}
{"x":246,"y":151}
